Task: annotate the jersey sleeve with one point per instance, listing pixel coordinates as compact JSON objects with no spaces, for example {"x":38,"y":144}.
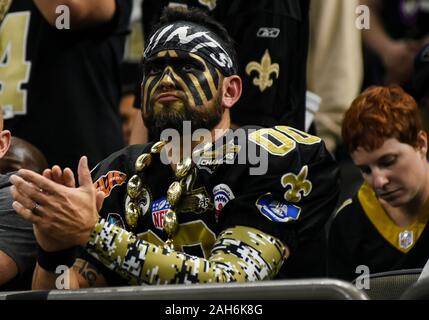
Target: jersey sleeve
{"x":239,"y":254}
{"x":341,"y":242}
{"x":297,"y":194}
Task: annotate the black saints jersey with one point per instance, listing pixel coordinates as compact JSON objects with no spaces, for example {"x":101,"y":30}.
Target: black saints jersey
{"x":291,"y":201}
{"x":59,"y":87}
{"x":362,"y":234}
{"x":271,"y":39}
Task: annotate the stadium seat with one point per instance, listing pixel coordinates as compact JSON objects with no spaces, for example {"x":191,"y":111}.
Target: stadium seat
{"x":418,"y":291}
{"x":392,"y":284}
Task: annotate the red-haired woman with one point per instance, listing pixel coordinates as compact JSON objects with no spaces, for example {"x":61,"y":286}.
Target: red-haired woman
{"x":384,"y":226}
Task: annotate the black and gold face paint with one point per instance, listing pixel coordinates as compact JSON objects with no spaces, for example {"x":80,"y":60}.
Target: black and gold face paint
{"x":179,"y":86}
{"x":185,"y":74}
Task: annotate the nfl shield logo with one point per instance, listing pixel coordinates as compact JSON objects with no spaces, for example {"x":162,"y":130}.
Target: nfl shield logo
{"x":159,"y":209}
{"x":406,"y":239}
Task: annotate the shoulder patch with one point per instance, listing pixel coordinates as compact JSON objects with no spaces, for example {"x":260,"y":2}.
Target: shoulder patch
{"x":275,"y":210}
{"x":222,"y":194}
{"x":109,"y":181}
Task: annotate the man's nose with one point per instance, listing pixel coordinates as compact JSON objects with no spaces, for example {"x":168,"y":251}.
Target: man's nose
{"x":167,"y":79}
{"x":379,"y":179}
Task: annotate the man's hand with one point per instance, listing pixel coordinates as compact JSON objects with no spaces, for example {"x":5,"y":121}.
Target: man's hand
{"x":65,"y":215}
{"x":66,"y":178}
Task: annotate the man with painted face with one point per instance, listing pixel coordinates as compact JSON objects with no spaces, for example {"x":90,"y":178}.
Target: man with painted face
{"x":202,"y":219}
{"x":271,"y":39}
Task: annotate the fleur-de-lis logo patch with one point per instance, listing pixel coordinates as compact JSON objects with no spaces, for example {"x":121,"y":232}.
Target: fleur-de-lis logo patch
{"x":264,"y":69}
{"x":211,"y":4}
{"x":297,"y":184}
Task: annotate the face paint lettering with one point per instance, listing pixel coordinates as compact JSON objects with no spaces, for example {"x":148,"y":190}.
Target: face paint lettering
{"x":192,"y":38}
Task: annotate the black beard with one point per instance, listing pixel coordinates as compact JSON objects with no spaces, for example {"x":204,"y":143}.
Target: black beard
{"x":200,"y":119}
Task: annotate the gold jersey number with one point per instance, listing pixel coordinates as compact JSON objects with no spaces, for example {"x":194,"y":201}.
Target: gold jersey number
{"x":281,"y":140}
{"x":14,"y":69}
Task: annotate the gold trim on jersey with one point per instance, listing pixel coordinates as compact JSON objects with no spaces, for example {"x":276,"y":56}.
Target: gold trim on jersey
{"x":346,"y":203}
{"x":390,"y":231}
{"x":211,"y":4}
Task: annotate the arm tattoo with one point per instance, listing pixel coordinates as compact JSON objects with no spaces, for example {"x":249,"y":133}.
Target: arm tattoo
{"x":239,"y":254}
{"x":87,"y":271}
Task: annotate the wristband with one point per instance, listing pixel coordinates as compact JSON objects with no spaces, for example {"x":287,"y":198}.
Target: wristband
{"x":51,"y":260}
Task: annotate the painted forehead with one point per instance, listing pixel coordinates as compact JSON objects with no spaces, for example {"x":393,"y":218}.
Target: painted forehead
{"x":200,"y":82}
{"x":173,"y":57}
{"x":191,"y":38}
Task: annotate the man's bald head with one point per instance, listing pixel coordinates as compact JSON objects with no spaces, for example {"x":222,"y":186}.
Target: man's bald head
{"x":22,"y":155}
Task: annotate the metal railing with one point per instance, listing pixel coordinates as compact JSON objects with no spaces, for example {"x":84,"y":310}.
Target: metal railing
{"x":306,"y":289}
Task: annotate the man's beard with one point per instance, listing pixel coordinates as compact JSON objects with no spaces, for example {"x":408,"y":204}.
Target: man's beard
{"x":200,"y":117}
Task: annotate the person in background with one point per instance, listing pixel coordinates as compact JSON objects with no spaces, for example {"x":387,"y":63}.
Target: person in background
{"x":22,"y":155}
{"x":420,"y":82}
{"x":335,"y":67}
{"x":60,"y":76}
{"x":385,"y":225}
{"x":397,"y":30}
{"x":17,"y":242}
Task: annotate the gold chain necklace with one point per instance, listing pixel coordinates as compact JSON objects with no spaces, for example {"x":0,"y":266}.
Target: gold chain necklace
{"x":135,"y":191}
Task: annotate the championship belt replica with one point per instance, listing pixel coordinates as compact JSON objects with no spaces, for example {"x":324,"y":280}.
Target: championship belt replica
{"x":4,"y":7}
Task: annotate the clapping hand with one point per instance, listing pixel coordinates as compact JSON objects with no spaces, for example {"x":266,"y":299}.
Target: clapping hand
{"x":63,"y":215}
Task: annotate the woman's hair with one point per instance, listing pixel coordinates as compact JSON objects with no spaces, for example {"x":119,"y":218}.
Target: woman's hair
{"x":380,"y":113}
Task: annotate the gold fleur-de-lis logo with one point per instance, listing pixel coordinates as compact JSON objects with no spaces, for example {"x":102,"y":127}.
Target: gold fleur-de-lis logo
{"x":265,"y":69}
{"x":298,"y":185}
{"x":211,"y":4}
